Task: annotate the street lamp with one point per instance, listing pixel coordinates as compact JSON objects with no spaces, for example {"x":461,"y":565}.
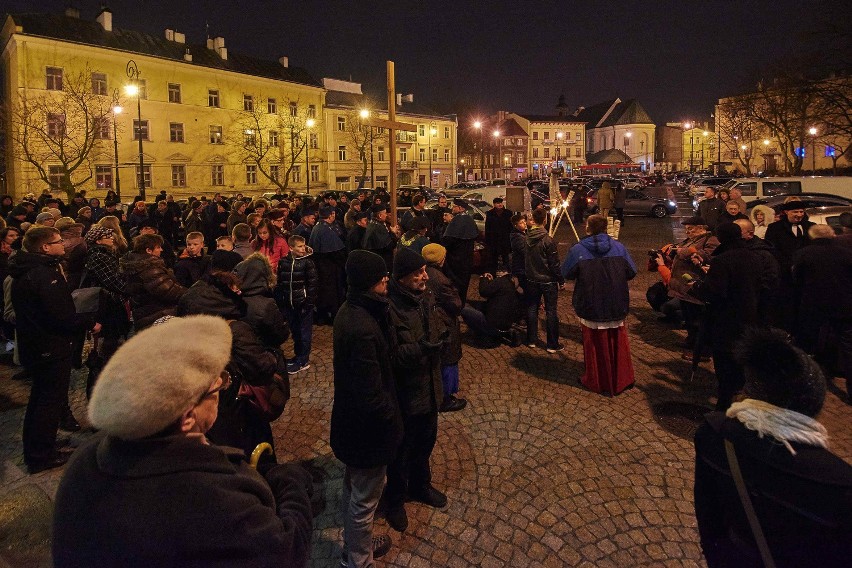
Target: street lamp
{"x":691,"y":127}
{"x":813,"y":132}
{"x":309,"y":124}
{"x":133,"y":90}
{"x":559,"y":136}
{"x":116,"y":110}
{"x":478,"y":126}
{"x":432,"y":132}
{"x":494,"y":163}
{"x":703,"y":141}
{"x":462,"y":173}
{"x":365,"y":114}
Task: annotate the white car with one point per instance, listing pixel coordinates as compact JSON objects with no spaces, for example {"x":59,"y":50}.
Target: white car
{"x":828,"y":215}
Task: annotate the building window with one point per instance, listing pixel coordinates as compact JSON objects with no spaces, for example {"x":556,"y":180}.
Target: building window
{"x":271,"y":106}
{"x":54,"y":176}
{"x":547,"y":152}
{"x":294,"y":108}
{"x":213,"y":98}
{"x":312,"y":111}
{"x":248,"y":103}
{"x":446,"y":154}
{"x":447,"y":132}
{"x":102,"y":128}
{"x":342,"y":183}
{"x":273,"y":138}
{"x":547,"y":135}
{"x":175,"y":132}
{"x":215,"y":134}
{"x":249,"y":138}
{"x":99,"y":83}
{"x":146,"y":175}
{"x":140,"y":129}
{"x":341,"y":153}
{"x":579,"y":136}
{"x":314,"y":172}
{"x":55,"y":125}
{"x":54,"y":79}
{"x":434,"y":154}
{"x":422,"y":154}
{"x":274,"y":172}
{"x":251,"y":174}
{"x":403,"y":154}
{"x":296,"y":174}
{"x":576,"y":152}
{"x":313,"y":141}
{"x":421,"y":130}
{"x":103,"y":177}
{"x":174,"y":93}
{"x":217,"y":175}
{"x":535,"y":152}
{"x":341,"y":123}
{"x":381,"y":153}
{"x":179,"y":175}
{"x":535,"y":134}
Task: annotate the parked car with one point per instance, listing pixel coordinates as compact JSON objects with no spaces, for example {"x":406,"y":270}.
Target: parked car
{"x":637,"y":202}
{"x":698,"y":186}
{"x":828,"y":215}
{"x":809,"y":200}
{"x":759,"y":188}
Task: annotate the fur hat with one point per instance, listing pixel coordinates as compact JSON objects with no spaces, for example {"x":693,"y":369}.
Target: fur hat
{"x":45,"y":216}
{"x":364,"y":269}
{"x":65,"y":223}
{"x":779,"y":373}
{"x":158,"y":374}
{"x":434,"y":253}
{"x":768,"y":214}
{"x":406,"y":261}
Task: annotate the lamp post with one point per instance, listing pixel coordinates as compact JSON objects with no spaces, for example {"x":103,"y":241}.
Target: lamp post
{"x":432,"y":132}
{"x":691,"y":127}
{"x":813,"y":132}
{"x":133,"y":90}
{"x":365,"y":114}
{"x":478,"y":126}
{"x":703,"y":141}
{"x":559,"y":136}
{"x":309,"y":124}
{"x":462,"y":173}
{"x":627,"y":136}
{"x":494,"y":163}
{"x":116,"y":110}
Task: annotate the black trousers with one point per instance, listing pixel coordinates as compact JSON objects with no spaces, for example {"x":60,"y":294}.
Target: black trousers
{"x":410,"y":471}
{"x":730,"y":376}
{"x":47,"y":404}
{"x":495,"y":254}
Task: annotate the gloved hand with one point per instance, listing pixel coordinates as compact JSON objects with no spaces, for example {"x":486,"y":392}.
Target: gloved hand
{"x":282,"y":476}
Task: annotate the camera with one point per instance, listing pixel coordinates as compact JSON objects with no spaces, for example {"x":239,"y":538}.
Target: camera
{"x":653,"y":253}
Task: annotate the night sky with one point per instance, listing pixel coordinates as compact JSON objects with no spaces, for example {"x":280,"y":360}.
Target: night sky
{"x":676,"y":56}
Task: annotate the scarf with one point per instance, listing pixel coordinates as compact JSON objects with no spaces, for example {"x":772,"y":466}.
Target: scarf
{"x":784,"y":425}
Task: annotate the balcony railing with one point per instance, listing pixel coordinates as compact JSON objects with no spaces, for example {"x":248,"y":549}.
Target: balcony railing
{"x":406,"y":137}
{"x":407,"y":165}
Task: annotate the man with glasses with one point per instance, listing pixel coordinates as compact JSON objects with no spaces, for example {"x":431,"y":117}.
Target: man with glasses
{"x":152,"y":490}
{"x":47,"y":324}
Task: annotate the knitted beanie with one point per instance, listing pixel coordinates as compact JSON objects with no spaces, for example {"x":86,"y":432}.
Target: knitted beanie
{"x":407,"y":261}
{"x":434,"y":253}
{"x":364,"y":270}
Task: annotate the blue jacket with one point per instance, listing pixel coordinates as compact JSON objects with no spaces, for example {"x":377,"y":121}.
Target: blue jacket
{"x":601,"y":266}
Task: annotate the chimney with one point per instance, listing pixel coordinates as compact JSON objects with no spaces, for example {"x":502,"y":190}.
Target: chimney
{"x":187,"y":56}
{"x":284,"y":61}
{"x":209,"y":43}
{"x":72,"y":12}
{"x":180,"y":38}
{"x":219,"y":46}
{"x":170,"y":34}
{"x":105,"y":19}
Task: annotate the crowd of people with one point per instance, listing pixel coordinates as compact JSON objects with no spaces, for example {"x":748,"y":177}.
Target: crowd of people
{"x":216,"y":288}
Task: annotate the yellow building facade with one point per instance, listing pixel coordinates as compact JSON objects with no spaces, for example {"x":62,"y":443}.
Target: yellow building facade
{"x":198,"y":106}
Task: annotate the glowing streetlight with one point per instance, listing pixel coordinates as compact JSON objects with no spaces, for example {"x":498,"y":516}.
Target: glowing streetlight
{"x":133,"y":90}
{"x":496,"y":135}
{"x":478,"y":126}
{"x":364,"y":113}
{"x":813,"y":132}
{"x":116,"y":110}
{"x":309,"y":123}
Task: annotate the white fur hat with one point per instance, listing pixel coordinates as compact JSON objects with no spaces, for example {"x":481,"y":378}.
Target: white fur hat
{"x":159,"y":374}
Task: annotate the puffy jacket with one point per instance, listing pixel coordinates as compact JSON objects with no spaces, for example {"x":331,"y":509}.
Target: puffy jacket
{"x":417,"y":367}
{"x":154,"y":292}
{"x":47,"y":320}
{"x":541,"y":261}
{"x":297,"y":281}
{"x":601,"y":266}
{"x":262,"y":312}
{"x":189,"y":269}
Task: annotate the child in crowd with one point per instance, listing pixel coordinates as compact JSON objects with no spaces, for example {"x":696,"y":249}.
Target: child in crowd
{"x":296,"y":294}
{"x":241,"y":239}
{"x":225,"y":243}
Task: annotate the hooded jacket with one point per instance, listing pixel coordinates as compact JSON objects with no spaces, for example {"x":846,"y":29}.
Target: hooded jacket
{"x":262,"y":313}
{"x":297,"y":281}
{"x":601,"y":266}
{"x":541,"y":260}
{"x":154,"y":292}
{"x":47,"y":320}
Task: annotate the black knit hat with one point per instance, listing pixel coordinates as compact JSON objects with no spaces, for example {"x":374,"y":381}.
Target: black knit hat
{"x":364,"y":269}
{"x":779,"y":373}
{"x":407,"y":261}
{"x":728,"y":232}
{"x":225,"y":260}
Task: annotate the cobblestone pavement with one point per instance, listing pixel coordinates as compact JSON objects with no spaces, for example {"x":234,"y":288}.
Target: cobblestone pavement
{"x":538,"y":470}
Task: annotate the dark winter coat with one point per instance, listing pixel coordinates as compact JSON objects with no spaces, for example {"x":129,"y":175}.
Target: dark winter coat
{"x":803,"y":502}
{"x":498,"y":226}
{"x":262,"y":313}
{"x":517,"y":240}
{"x":102,"y":270}
{"x":152,"y":287}
{"x":780,"y":235}
{"x":602,"y":267}
{"x":502,"y":301}
{"x":379,"y":240}
{"x":355,"y":238}
{"x":417,"y":366}
{"x":541,"y":260}
{"x":189,"y":269}
{"x":409,"y":216}
{"x":731,"y":289}
{"x":449,"y":306}
{"x":47,"y":320}
{"x":211,"y":297}
{"x":710,"y":210}
{"x":822,"y":276}
{"x":298,"y":281}
{"x":173,"y":501}
{"x":366,"y":424}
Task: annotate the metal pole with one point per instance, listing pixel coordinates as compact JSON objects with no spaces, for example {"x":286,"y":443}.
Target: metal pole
{"x":115,"y":141}
{"x":482,"y":155}
{"x":429,"y":134}
{"x":372,"y":170}
{"x":813,"y":154}
{"x":392,"y":117}
{"x":141,"y":155}
{"x":307,"y":168}
{"x":691,"y":148}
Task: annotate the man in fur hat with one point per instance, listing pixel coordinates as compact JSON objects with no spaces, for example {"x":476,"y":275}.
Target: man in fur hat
{"x":151,"y":490}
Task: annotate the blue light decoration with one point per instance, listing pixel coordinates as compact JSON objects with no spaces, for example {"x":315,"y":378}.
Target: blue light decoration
{"x":535,"y":166}
{"x":830,"y":151}
{"x":800,"y":152}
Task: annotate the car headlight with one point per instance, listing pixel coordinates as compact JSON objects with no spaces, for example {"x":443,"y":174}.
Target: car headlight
{"x":672,"y":203}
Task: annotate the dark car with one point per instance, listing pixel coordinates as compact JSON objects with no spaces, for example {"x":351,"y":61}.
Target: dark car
{"x":637,"y":202}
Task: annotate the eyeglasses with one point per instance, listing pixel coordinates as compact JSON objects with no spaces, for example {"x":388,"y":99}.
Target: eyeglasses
{"x":226,"y":383}
{"x":59,"y":242}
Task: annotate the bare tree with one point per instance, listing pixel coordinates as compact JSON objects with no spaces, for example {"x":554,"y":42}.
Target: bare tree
{"x":834,"y":112}
{"x":360,"y":137}
{"x":737,"y":126}
{"x":275,"y":141}
{"x":55,"y":130}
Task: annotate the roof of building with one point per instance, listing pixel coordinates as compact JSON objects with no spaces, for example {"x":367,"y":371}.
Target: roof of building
{"x":611,"y":156}
{"x":568,"y":118}
{"x":628,"y":112}
{"x":510,"y":127}
{"x":90,"y":32}
{"x":594,"y":114}
{"x":354,"y":100}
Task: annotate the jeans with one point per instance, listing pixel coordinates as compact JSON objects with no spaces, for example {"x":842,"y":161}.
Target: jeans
{"x":301,"y":321}
{"x":476,"y":321}
{"x":362,"y":489}
{"x":549,"y":291}
{"x":47,"y":404}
